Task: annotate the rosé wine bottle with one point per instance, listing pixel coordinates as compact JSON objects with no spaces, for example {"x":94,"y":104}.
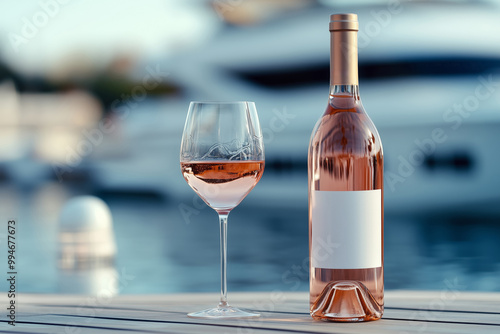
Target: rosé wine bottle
{"x":345,"y":172}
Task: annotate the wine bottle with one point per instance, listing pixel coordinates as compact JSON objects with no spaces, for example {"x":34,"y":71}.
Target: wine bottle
{"x":345,"y":173}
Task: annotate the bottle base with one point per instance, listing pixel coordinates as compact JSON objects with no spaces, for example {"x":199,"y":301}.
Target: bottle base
{"x":346,"y":301}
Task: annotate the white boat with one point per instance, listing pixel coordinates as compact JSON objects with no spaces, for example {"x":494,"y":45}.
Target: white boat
{"x":432,"y":92}
{"x":40,"y":131}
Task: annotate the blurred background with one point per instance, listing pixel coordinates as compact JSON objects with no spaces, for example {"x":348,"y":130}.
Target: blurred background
{"x":93,"y":98}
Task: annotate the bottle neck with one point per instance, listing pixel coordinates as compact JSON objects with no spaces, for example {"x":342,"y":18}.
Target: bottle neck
{"x":344,"y":91}
{"x":344,"y":97}
{"x":343,"y":58}
{"x":347,"y":91}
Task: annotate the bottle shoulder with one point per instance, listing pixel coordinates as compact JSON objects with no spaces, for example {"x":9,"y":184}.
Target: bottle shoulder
{"x":347,"y":130}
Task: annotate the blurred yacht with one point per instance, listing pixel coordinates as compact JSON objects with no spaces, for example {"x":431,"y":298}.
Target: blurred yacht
{"x":429,"y":81}
{"x":42,"y":131}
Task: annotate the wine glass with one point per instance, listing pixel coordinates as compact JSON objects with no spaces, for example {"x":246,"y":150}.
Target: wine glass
{"x":222,"y":159}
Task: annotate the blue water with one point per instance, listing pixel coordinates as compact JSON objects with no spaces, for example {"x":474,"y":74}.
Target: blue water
{"x":160,"y":251}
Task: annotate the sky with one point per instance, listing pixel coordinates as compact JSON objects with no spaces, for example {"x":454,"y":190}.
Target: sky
{"x":39,"y":35}
{"x":46,"y":36}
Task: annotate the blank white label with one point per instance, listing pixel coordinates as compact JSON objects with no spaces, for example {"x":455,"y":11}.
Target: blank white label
{"x":346,"y":229}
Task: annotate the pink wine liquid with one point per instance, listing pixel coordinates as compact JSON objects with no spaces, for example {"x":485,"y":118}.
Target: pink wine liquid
{"x":345,"y":154}
{"x":222,"y":184}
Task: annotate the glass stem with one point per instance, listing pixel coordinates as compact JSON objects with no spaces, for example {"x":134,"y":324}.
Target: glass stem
{"x":223,"y":258}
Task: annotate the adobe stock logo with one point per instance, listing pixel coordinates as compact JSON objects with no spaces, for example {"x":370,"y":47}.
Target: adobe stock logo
{"x":34,"y":23}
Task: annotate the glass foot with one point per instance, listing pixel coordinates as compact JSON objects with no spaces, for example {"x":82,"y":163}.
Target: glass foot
{"x":223,"y":312}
